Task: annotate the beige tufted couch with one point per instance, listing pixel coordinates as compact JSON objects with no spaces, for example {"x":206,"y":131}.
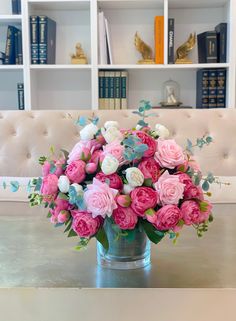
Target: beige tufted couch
{"x":24,"y":136}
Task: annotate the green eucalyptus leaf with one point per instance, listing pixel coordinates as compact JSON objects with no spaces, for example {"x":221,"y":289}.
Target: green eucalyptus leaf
{"x":14,"y":185}
{"x":102,"y":238}
{"x":205,"y":186}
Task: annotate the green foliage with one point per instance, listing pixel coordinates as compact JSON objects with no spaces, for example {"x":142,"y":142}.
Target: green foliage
{"x":42,"y":160}
{"x":14,"y":185}
{"x":63,"y":196}
{"x":82,"y":243}
{"x":200,"y":143}
{"x":65,"y":153}
{"x":35,"y":199}
{"x":72,"y":233}
{"x":145,"y":106}
{"x":4,"y":185}
{"x":102,"y":238}
{"x":154,"y":235}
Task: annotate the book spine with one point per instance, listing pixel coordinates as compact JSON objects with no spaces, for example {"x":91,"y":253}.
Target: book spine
{"x":19,"y":6}
{"x":212,"y":88}
{"x":124,"y":86}
{"x":221,"y":88}
{"x":221,"y":31}
{"x":112,"y":90}
{"x":201,"y":44}
{"x":10,"y":48}
{"x":51,"y":41}
{"x":211,"y":48}
{"x":106,"y":90}
{"x":14,"y":5}
{"x":34,"y":39}
{"x":16,"y":48}
{"x":21,"y":100}
{"x":202,"y":89}
{"x":42,"y":40}
{"x":20,"y":53}
{"x":101,"y":76}
{"x":171,"y":39}
{"x":117,"y":84}
{"x":159,"y":39}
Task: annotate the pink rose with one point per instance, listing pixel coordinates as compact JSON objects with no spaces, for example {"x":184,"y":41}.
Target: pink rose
{"x":115,"y":149}
{"x":169,"y":188}
{"x":59,"y":167}
{"x":150,"y":169}
{"x":125,"y":218}
{"x":149,"y":141}
{"x":49,"y":185}
{"x":143,"y":198}
{"x":100,"y":199}
{"x":84,"y":224}
{"x":169,"y":154}
{"x":76,"y":171}
{"x":114,"y":180}
{"x":91,"y":168}
{"x":123,"y":200}
{"x":80,"y":151}
{"x":168,"y":217}
{"x":205,"y":215}
{"x":190,"y":212}
{"x":193,"y":191}
{"x":185,"y":179}
{"x":96,"y":156}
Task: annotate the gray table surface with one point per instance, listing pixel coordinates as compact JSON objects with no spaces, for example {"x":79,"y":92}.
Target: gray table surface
{"x":35,"y":254}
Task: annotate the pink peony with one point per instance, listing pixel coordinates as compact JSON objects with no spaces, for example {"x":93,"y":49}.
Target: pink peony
{"x":49,"y":185}
{"x":80,"y":151}
{"x":125,"y":218}
{"x":84,"y":224}
{"x":91,"y":168}
{"x":190,"y":212}
{"x":96,"y":156}
{"x":143,"y":198}
{"x":123,"y":200}
{"x":169,"y":188}
{"x":76,"y":171}
{"x":63,"y":216}
{"x":185,"y":179}
{"x":169,"y":154}
{"x":150,"y":169}
{"x":205,"y":215}
{"x":100,"y":199}
{"x":115,"y":149}
{"x":149,"y":141}
{"x":193,"y":191}
{"x":114,"y":180}
{"x":59,"y":167}
{"x":168,"y":217}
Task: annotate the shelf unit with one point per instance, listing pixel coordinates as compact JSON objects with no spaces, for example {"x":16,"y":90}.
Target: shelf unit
{"x":66,"y":86}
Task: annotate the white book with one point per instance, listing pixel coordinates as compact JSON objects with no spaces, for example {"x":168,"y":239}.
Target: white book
{"x":102,"y":39}
{"x":108,"y":39}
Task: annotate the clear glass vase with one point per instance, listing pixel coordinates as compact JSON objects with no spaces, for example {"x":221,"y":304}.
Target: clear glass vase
{"x":124,"y":253}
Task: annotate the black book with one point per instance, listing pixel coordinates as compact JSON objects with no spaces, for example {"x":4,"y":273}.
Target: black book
{"x":221,"y":88}
{"x":207,"y":47}
{"x":212,"y":88}
{"x":221,"y":30}
{"x":202,"y":100}
{"x":19,"y":6}
{"x":171,"y":38}
{"x":2,"y":58}
{"x":20,"y":93}
{"x":19,"y":47}
{"x":10,"y":52}
{"x":14,"y":6}
{"x":47,"y":40}
{"x":34,"y":39}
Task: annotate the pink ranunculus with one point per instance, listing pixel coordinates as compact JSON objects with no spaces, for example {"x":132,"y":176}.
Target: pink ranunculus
{"x":143,"y":198}
{"x":149,"y":141}
{"x":61,"y":205}
{"x":125,"y":218}
{"x":193,"y":191}
{"x":80,"y":151}
{"x":169,"y":154}
{"x":169,"y":188}
{"x":96,"y":156}
{"x":91,"y":168}
{"x":115,"y":149}
{"x":63,"y":216}
{"x":114,"y":180}
{"x":49,"y":185}
{"x":123,"y":200}
{"x":150,"y":169}
{"x":59,"y":167}
{"x":168,"y":217}
{"x":190,"y":212}
{"x":76,"y":171}
{"x":205,"y":215}
{"x":100,"y":199}
{"x":84,"y":224}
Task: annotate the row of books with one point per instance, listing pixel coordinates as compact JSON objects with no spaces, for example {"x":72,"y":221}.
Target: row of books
{"x":113,"y":87}
{"x":13,"y":52}
{"x":211,"y":88}
{"x":42,"y":40}
{"x":16,"y":6}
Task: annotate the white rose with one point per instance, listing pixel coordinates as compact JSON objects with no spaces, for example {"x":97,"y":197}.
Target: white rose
{"x":134,"y":176}
{"x":63,"y":184}
{"x":162,"y":131}
{"x":77,"y":187}
{"x":109,"y":165}
{"x":88,"y":132}
{"x":111,"y":123}
{"x":111,"y":134}
{"x":127,"y":189}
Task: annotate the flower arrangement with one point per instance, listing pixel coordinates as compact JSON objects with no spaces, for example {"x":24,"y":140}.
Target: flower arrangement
{"x":129,"y":177}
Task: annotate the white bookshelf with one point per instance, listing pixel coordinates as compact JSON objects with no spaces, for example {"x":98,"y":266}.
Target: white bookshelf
{"x":67,"y":86}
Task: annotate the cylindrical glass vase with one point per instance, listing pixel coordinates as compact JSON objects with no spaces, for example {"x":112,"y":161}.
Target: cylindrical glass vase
{"x":124,"y":253}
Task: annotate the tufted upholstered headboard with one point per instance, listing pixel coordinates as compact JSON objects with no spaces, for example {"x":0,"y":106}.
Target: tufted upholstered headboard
{"x":24,"y":136}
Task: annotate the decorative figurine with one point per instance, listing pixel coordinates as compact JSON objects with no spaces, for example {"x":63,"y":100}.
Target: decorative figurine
{"x":171,"y":93}
{"x":183,"y":51}
{"x":144,"y":49}
{"x":79,"y":57}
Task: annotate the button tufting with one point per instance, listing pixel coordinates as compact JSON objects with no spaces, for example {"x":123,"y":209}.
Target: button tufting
{"x":226,"y":155}
{"x":28,"y":155}
{"x":45,"y":133}
{"x":1,"y":116}
{"x":14,"y":133}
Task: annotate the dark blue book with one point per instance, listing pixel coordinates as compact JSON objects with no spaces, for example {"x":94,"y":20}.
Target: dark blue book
{"x":14,"y":6}
{"x":21,"y":99}
{"x":19,"y":47}
{"x":19,"y":6}
{"x":2,"y":58}
{"x":212,"y":88}
{"x":207,"y":47}
{"x":34,"y":39}
{"x":221,"y":30}
{"x":47,"y":40}
{"x":202,"y":100}
{"x":10,"y":54}
{"x":171,"y":39}
{"x":16,"y":47}
{"x":221,"y":88}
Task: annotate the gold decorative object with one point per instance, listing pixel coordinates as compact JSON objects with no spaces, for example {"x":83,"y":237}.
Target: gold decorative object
{"x":79,"y":57}
{"x":183,"y":51}
{"x":144,"y":49}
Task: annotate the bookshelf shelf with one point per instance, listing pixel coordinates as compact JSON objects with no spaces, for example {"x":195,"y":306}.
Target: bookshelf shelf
{"x":60,"y":4}
{"x":10,"y":18}
{"x":11,"y":67}
{"x":130,"y":4}
{"x":60,"y":67}
{"x":164,"y":67}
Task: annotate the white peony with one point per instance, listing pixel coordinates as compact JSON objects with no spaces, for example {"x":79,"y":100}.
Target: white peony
{"x":88,"y":132}
{"x":109,"y":164}
{"x":77,"y":187}
{"x":111,"y":123}
{"x":162,"y":131}
{"x":111,"y":134}
{"x":127,"y":189}
{"x":63,"y":184}
{"x":134,"y":177}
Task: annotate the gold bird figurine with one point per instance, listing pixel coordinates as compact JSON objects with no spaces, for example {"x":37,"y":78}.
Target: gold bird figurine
{"x":183,"y":51}
{"x":144,"y":49}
